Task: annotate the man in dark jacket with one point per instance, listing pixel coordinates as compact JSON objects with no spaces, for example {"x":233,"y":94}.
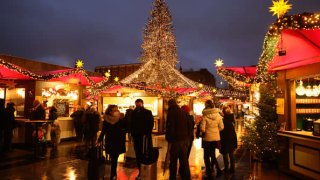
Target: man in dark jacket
{"x":2,"y":109}
{"x":9,"y":125}
{"x":38,"y":111}
{"x":178,"y":136}
{"x":91,"y":127}
{"x":141,"y":125}
{"x":77,"y":117}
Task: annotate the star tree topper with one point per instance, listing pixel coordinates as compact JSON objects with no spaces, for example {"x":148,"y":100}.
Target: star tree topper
{"x":79,"y":63}
{"x":219,"y":62}
{"x":280,"y":8}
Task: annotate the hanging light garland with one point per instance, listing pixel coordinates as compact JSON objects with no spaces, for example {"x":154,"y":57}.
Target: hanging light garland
{"x":309,"y":90}
{"x":20,"y":70}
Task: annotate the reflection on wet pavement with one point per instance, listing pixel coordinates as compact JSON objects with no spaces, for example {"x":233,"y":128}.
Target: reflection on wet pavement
{"x":69,"y":162}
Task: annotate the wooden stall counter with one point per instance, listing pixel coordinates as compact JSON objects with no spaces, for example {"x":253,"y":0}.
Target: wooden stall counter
{"x":302,"y":149}
{"x":23,"y":133}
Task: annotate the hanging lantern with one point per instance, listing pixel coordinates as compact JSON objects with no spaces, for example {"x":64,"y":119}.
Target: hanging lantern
{"x":309,"y":91}
{"x":315,"y":91}
{"x":300,"y":90}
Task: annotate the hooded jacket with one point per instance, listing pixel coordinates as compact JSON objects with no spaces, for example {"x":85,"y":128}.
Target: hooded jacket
{"x":211,"y":124}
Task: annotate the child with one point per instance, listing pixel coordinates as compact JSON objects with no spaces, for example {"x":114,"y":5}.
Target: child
{"x":55,"y":127}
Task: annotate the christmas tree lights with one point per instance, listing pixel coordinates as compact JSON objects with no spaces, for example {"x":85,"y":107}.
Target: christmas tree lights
{"x":159,"y":42}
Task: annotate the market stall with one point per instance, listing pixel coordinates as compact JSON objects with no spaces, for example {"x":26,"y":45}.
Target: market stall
{"x":296,"y":61}
{"x":61,"y":88}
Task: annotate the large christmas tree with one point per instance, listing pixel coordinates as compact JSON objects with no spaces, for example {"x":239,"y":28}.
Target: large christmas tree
{"x":159,"y":41}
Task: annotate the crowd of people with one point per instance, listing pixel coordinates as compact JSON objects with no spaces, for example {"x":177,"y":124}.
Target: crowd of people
{"x":216,"y":126}
{"x":216,"y":129}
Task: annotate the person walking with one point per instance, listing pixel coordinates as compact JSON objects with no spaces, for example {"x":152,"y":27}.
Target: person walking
{"x":9,"y":125}
{"x":113,"y":130}
{"x":178,"y":137}
{"x":91,"y":127}
{"x":78,"y":124}
{"x":37,"y":112}
{"x":2,"y":113}
{"x":141,"y":126}
{"x":229,"y":141}
{"x":211,"y":125}
{"x":191,"y":122}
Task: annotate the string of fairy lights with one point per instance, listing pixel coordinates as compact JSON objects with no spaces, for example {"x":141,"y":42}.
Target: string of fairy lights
{"x":78,"y":70}
{"x":20,"y":70}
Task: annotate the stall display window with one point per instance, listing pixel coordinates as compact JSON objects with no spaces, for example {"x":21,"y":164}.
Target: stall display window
{"x":2,"y":93}
{"x":17,"y":96}
{"x":307,"y":103}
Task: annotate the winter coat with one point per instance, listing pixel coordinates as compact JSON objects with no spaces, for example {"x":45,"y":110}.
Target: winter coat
{"x":38,"y":113}
{"x":127,"y":119}
{"x":178,"y":126}
{"x":2,"y":113}
{"x":78,"y":118}
{"x":211,"y":124}
{"x":228,"y":135}
{"x":191,"y":126}
{"x":9,"y":119}
{"x":91,"y":124}
{"x":53,"y":114}
{"x":115,"y":136}
{"x":141,"y":122}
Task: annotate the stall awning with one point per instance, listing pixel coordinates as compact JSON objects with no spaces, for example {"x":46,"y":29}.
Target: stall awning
{"x":11,"y":71}
{"x":302,"y":48}
{"x":72,"y":76}
{"x":248,"y":71}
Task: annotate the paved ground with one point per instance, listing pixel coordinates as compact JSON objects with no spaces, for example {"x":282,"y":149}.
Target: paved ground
{"x":68,"y":163}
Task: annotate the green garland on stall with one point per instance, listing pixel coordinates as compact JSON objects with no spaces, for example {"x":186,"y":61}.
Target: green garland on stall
{"x":236,"y":80}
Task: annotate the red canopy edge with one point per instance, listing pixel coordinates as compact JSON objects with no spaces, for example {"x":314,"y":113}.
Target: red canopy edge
{"x":11,"y":71}
{"x":302,"y":48}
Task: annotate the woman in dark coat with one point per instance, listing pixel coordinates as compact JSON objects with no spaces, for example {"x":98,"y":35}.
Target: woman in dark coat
{"x":229,"y":141}
{"x":115,"y":136}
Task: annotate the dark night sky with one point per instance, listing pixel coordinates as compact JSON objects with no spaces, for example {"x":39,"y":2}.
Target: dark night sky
{"x":104,"y":32}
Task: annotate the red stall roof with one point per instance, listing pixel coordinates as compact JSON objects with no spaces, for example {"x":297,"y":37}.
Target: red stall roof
{"x":11,"y":71}
{"x":248,"y":71}
{"x":302,"y":48}
{"x":73,"y":76}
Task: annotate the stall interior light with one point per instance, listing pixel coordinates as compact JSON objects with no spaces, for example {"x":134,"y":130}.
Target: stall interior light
{"x":118,"y":93}
{"x":21,"y":92}
{"x":309,"y":90}
{"x":60,"y":92}
{"x":1,"y":93}
{"x":300,"y":89}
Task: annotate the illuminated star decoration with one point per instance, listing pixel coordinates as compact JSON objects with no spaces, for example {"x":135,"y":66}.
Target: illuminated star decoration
{"x":107,"y":74}
{"x":219,"y":62}
{"x":79,"y":63}
{"x":280,"y":8}
{"x":116,"y":79}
